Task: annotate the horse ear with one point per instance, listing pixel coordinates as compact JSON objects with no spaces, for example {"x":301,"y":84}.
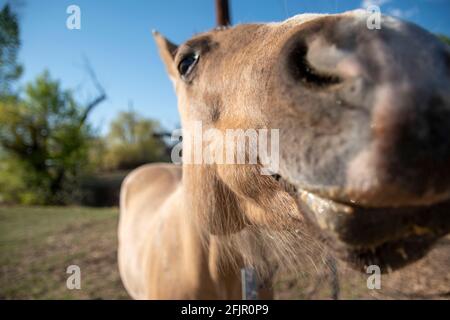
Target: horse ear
{"x":167,"y":52}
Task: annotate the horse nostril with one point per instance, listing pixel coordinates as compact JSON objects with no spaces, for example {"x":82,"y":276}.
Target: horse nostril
{"x":301,"y":69}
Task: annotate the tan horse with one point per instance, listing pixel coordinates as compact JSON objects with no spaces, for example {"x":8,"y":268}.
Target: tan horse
{"x":364,"y":154}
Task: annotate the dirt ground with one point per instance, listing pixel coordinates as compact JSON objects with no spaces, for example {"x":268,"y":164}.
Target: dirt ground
{"x":37,"y":244}
{"x":428,"y":278}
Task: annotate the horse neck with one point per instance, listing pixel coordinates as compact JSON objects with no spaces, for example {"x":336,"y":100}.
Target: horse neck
{"x":198,"y":192}
{"x":202,"y":193}
{"x":214,"y":207}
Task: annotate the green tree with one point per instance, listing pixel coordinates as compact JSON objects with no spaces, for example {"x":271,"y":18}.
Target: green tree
{"x":10,"y":70}
{"x":132,"y":141}
{"x":44,"y":141}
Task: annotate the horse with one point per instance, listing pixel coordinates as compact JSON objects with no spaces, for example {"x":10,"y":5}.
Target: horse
{"x":360,"y":120}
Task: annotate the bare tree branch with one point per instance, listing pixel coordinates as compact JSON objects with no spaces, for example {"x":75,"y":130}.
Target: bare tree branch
{"x":102,"y":94}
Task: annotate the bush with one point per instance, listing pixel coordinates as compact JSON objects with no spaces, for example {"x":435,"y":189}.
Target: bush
{"x":131,"y":142}
{"x":44,"y":142}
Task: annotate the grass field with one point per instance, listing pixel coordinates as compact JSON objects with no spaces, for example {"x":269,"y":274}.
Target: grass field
{"x":37,"y":244}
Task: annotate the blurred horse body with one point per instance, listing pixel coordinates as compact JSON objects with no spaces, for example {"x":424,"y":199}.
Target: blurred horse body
{"x":162,"y":251}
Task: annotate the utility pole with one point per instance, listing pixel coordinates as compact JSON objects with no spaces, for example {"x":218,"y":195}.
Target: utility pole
{"x":222,"y":13}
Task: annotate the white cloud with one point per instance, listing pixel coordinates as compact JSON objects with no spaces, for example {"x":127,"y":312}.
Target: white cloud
{"x":378,"y":3}
{"x":396,"y":12}
{"x":404,"y":14}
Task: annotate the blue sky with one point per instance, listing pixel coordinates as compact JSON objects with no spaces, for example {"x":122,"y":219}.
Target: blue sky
{"x":115,"y":36}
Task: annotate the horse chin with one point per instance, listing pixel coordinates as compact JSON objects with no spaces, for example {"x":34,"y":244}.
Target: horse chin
{"x":389,"y":237}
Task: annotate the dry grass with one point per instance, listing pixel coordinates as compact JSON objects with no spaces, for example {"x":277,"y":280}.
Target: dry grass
{"x":38,"y":243}
{"x":428,"y":278}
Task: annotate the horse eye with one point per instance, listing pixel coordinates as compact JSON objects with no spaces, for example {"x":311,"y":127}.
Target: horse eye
{"x":187,"y":64}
